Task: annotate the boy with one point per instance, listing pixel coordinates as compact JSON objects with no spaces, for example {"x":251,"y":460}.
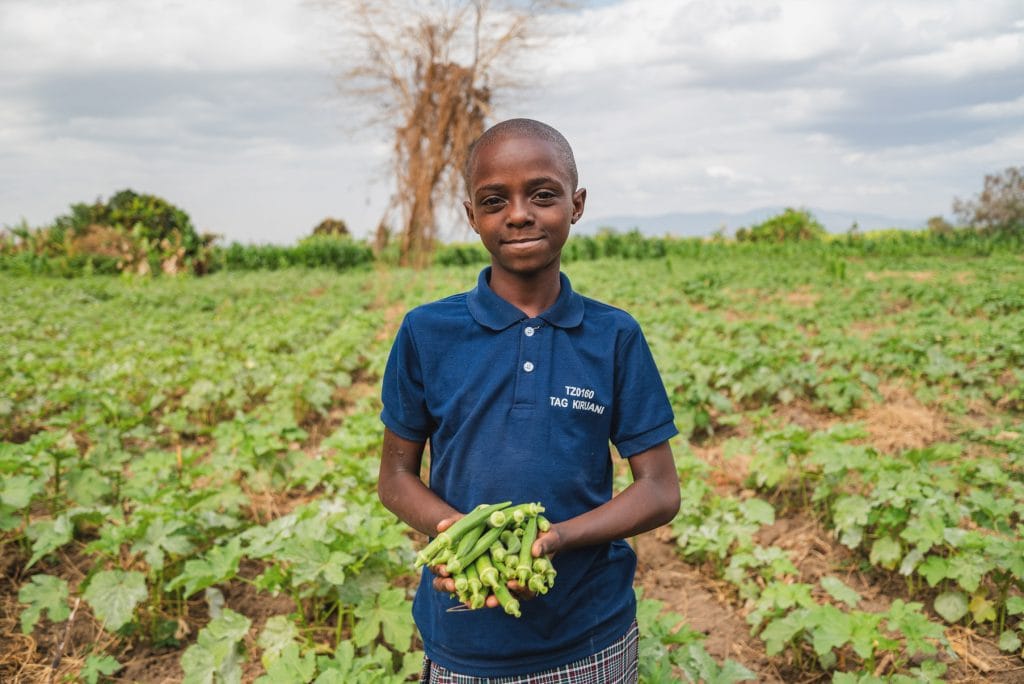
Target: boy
{"x":519,"y":385}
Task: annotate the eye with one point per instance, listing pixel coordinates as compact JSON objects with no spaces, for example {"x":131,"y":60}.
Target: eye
{"x":544,"y":195}
{"x":492,"y":201}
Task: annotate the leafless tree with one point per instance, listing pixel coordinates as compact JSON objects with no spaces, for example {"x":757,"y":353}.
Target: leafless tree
{"x":999,"y":207}
{"x":432,"y":69}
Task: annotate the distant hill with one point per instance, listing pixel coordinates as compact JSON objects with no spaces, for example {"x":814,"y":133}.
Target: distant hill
{"x":705,"y":223}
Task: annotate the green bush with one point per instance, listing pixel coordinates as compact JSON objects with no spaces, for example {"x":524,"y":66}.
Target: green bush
{"x":132,"y":232}
{"x":792,"y":225}
{"x":461,"y":254}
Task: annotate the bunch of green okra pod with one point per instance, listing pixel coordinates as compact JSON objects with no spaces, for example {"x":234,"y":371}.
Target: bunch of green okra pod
{"x":488,"y":547}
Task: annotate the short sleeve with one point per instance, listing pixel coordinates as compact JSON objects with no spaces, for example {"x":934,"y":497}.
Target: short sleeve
{"x":642,"y":416}
{"x":405,"y":410}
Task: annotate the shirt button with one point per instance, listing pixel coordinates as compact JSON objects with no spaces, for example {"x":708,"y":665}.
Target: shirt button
{"x":528,"y":366}
{"x":528,"y":332}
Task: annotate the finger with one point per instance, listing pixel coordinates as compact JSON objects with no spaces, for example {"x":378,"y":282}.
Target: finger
{"x":520,"y":591}
{"x":445,"y":524}
{"x":544,"y":545}
{"x":444,"y":584}
{"x":492,"y":601}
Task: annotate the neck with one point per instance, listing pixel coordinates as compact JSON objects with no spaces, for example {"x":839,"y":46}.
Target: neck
{"x":533,"y":293}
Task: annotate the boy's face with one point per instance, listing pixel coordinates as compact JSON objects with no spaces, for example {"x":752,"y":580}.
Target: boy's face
{"x":522,"y":203}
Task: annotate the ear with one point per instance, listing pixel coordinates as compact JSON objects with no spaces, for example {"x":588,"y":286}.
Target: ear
{"x":469,"y":215}
{"x":579,"y":199}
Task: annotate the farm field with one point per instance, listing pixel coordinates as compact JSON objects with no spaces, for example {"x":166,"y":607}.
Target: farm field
{"x":189,"y":471}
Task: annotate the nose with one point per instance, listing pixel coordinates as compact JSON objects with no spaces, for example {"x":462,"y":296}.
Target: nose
{"x":520,"y":212}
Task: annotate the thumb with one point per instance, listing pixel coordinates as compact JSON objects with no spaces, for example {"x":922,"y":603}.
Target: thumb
{"x":546,"y":544}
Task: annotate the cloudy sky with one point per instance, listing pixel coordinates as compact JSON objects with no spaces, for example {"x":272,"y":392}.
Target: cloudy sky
{"x":231,"y":109}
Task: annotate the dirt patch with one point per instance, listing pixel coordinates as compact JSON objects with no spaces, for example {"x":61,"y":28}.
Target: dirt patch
{"x":392,"y":317}
{"x":701,"y":600}
{"x":900,"y":422}
{"x":963,"y":277}
{"x":802,"y":298}
{"x":804,"y":414}
{"x":980,"y":659}
{"x":916,"y":276}
{"x":727,"y":474}
{"x":864,"y":330}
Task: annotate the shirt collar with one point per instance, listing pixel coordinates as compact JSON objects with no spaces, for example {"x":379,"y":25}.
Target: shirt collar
{"x":491,"y":311}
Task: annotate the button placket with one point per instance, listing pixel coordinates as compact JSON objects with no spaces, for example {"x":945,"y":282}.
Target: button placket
{"x":529,"y":346}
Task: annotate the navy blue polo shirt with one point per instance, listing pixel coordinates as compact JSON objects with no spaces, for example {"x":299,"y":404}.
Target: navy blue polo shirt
{"x":523,"y":409}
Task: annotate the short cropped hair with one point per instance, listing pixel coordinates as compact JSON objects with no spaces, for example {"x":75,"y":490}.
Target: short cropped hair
{"x":527,"y":128}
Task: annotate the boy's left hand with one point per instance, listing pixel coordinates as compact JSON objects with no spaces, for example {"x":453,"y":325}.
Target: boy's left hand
{"x":546,"y":544}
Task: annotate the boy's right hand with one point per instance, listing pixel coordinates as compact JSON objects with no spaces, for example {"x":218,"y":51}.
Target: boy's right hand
{"x":443,"y":582}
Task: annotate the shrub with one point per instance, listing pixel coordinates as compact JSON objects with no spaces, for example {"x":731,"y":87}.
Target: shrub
{"x":135,"y":232}
{"x":331,"y":226}
{"x":461,"y":254}
{"x":999,"y":207}
{"x":792,"y":225}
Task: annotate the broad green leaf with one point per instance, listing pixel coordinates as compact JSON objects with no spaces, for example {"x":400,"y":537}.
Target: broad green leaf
{"x":162,"y":536}
{"x":1009,"y":641}
{"x":930,"y":672}
{"x":217,"y":565}
{"x":909,"y":621}
{"x":982,"y":610}
{"x":840,"y":591}
{"x":780,"y":632}
{"x":215,"y":655}
{"x":97,"y":666}
{"x":114,"y":594}
{"x":290,"y":667}
{"x":332,"y":677}
{"x":866,"y":638}
{"x":412,"y":664}
{"x":911,"y":561}
{"x":388,"y":615}
{"x":924,"y":531}
{"x":850,"y":515}
{"x":87,"y":487}
{"x":1015,"y":605}
{"x":934,"y":570}
{"x":43,"y":592}
{"x":311,"y":559}
{"x":48,"y":536}
{"x":758,"y":511}
{"x":18,"y":490}
{"x":698,"y":665}
{"x":886,"y":552}
{"x":277,"y":633}
{"x":832,"y":629}
{"x":968,"y":569}
{"x":951,"y":605}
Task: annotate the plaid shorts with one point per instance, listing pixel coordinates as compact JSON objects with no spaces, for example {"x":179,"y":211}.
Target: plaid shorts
{"x":616,"y":664}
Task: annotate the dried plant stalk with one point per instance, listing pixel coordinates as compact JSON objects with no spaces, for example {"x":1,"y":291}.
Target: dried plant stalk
{"x":431,"y":69}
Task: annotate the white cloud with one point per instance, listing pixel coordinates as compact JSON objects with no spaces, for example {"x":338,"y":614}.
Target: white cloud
{"x":228,"y":107}
{"x":78,"y":35}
